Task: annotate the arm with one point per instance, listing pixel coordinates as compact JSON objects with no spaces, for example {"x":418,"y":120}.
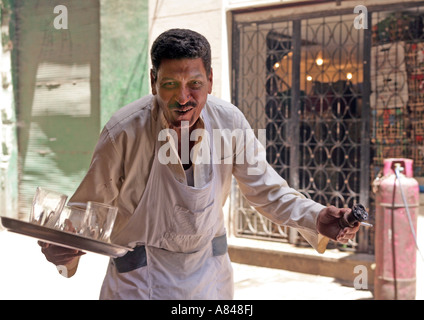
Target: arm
{"x":101,"y":184}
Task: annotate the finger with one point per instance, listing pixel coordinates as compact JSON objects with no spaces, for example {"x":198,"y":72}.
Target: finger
{"x":347,"y":234}
{"x":67,"y":253}
{"x":64,"y":260}
{"x":62,"y":257}
{"x":345,"y":210}
{"x":69,"y":227}
{"x":339,"y":212}
{"x":334,"y":212}
{"x":352,"y":230}
{"x":43,"y":244}
{"x":343,"y":241}
{"x":58,"y":250}
{"x":329,"y":215}
{"x":346,"y":237}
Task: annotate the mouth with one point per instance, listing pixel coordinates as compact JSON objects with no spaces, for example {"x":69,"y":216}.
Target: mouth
{"x":183,"y":110}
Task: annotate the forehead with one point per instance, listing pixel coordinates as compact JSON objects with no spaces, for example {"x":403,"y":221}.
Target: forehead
{"x":175,"y":67}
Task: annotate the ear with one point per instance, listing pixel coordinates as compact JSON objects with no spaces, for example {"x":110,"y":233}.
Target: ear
{"x":153,"y":82}
{"x":210,"y":81}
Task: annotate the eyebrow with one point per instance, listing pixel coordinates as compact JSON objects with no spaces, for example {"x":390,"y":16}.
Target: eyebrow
{"x":167,"y":79}
{"x":196,"y":76}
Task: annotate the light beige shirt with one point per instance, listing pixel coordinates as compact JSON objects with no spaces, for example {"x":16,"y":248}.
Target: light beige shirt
{"x":124,"y":154}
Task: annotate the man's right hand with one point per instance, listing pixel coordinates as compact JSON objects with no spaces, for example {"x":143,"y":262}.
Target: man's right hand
{"x":59,"y":255}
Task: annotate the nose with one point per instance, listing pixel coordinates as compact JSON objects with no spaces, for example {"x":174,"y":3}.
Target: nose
{"x":183,"y":95}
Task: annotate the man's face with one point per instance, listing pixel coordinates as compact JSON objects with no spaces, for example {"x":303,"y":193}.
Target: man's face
{"x":181,"y":89}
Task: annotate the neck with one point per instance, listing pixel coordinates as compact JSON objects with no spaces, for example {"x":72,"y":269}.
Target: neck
{"x":184,"y":145}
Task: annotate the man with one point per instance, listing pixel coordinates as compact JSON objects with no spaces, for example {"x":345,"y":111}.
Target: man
{"x":170,"y":204}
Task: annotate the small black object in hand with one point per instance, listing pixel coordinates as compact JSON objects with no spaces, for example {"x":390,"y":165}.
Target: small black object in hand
{"x":359,"y":212}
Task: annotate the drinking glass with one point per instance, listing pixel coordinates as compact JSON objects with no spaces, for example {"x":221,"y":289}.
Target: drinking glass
{"x":46,"y":207}
{"x":101,"y":218}
{"x":73,"y":220}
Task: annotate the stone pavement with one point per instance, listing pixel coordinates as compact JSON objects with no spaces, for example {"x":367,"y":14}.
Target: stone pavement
{"x":25,"y":274}
{"x":275,"y":284}
{"x":260,"y":283}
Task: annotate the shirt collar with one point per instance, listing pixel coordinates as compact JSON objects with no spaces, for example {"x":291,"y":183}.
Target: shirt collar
{"x":201,"y":172}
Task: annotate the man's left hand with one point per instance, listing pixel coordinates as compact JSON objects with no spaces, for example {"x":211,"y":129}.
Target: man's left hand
{"x":328,"y":225}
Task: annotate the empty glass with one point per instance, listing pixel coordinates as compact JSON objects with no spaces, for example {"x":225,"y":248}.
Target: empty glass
{"x":73,"y":220}
{"x":46,"y":207}
{"x":101,"y":218}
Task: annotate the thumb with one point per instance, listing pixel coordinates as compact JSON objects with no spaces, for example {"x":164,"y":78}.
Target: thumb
{"x":330,"y":213}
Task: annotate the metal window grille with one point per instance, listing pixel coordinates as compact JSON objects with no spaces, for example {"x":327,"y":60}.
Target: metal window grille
{"x":330,"y":109}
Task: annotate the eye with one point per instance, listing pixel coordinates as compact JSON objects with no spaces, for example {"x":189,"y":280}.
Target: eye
{"x":196,"y":84}
{"x":170,"y":85}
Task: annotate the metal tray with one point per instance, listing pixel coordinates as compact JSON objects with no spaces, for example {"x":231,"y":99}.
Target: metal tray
{"x":63,"y":239}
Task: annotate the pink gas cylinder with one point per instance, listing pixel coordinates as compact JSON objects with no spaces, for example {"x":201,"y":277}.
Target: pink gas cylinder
{"x":395,"y":246}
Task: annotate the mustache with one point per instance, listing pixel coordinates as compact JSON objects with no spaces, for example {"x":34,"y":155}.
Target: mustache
{"x":177,"y":105}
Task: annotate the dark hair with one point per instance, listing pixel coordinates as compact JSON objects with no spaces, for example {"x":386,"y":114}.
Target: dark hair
{"x":180,"y":44}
